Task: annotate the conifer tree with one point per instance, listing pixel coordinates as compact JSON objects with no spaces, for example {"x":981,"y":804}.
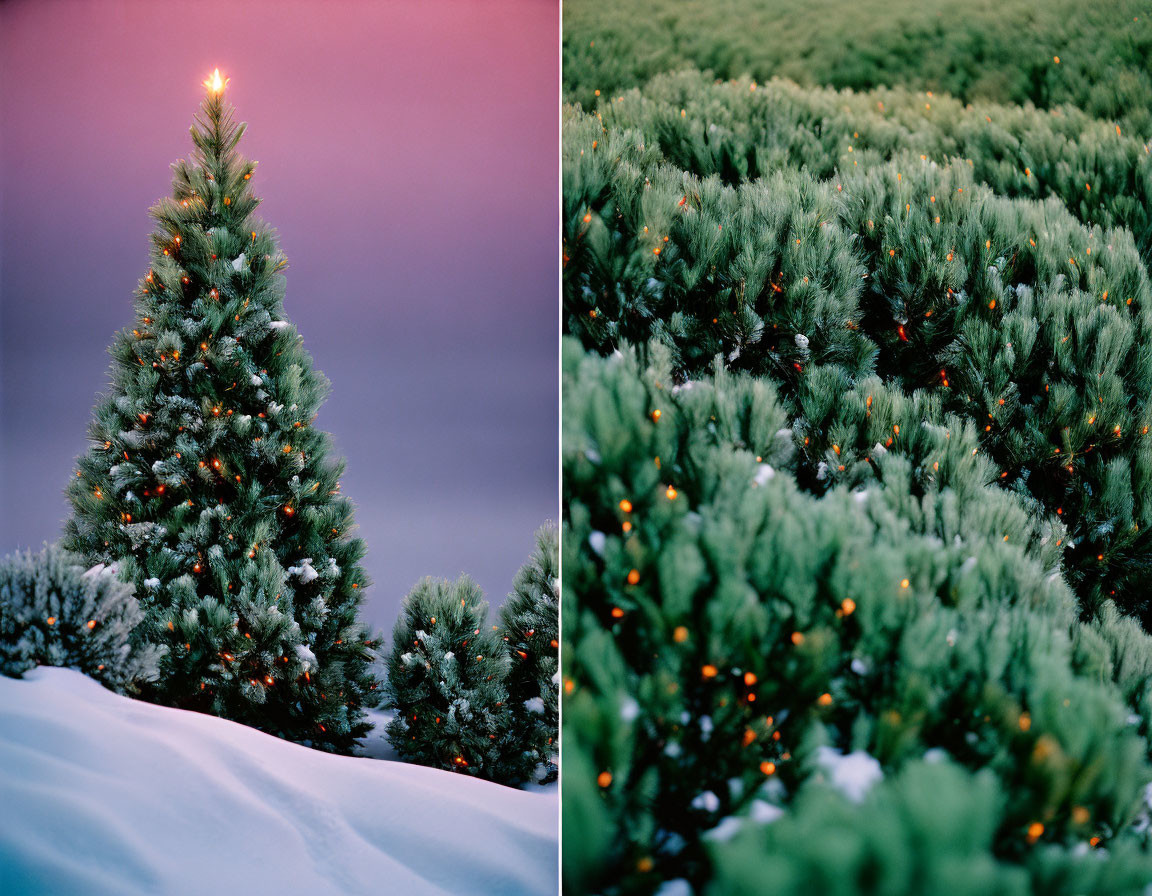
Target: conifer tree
{"x":530,"y":622}
{"x":207,"y":483}
{"x":446,"y":685}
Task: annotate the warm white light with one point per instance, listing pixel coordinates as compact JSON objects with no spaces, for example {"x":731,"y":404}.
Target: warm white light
{"x":215,"y":83}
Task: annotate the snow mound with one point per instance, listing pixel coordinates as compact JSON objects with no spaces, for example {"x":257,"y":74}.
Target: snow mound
{"x":107,"y":795}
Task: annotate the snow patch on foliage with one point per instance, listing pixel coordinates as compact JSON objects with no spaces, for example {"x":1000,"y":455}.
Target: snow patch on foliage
{"x":727,"y":829}
{"x":852,"y":774}
{"x":708,"y":801}
{"x":306,"y":657}
{"x":305,"y":571}
{"x":764,"y":813}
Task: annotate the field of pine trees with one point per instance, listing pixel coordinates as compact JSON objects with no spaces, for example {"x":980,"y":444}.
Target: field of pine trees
{"x":856,"y":449}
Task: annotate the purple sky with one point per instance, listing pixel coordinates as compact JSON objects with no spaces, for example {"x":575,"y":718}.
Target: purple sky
{"x":409,"y":160}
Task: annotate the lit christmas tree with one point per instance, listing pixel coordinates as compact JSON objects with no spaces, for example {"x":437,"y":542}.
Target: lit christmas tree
{"x":206,"y":482}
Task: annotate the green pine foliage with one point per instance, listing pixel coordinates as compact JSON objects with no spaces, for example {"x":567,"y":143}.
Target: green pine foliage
{"x":53,"y":612}
{"x":723,"y":628}
{"x":530,"y":623}
{"x":1033,"y":326}
{"x":856,"y":448}
{"x":207,"y":483}
{"x":447,"y":685}
{"x":1093,"y":57}
{"x":742,"y":130}
{"x":931,"y":831}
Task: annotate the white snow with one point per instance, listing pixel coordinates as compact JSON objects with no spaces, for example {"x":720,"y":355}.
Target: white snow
{"x":708,"y":801}
{"x":764,"y":472}
{"x":305,"y":571}
{"x":853,"y":775}
{"x":677,"y":887}
{"x":239,"y":262}
{"x":109,"y":796}
{"x":277,"y":324}
{"x":764,"y":813}
{"x":306,"y":656}
{"x":534,"y":704}
{"x":727,"y":829}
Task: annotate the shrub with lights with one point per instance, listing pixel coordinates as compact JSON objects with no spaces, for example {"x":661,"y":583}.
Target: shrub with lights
{"x":206,"y":482}
{"x":731,"y":641}
{"x":54,"y":612}
{"x":477,"y":698}
{"x":447,"y":685}
{"x":741,"y":130}
{"x":530,"y":624}
{"x":856,"y":457}
{"x":1031,"y":325}
{"x":1013,"y":51}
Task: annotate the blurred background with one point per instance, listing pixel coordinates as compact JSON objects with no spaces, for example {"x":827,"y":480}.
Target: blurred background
{"x":408,"y":158}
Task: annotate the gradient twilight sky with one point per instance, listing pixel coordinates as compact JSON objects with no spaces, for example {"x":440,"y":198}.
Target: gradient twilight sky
{"x":409,"y":159}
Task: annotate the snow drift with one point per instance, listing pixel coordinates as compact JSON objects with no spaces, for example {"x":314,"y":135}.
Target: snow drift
{"x":100,"y":794}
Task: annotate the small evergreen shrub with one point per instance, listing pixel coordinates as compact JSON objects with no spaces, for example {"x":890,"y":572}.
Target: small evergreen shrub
{"x":530,"y":622}
{"x":856,"y":458}
{"x":446,"y":684}
{"x":54,"y":613}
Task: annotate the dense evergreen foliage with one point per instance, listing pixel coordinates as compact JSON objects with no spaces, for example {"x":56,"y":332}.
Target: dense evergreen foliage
{"x":1032,"y":325}
{"x":53,"y":612}
{"x":741,"y":130}
{"x":208,"y":485}
{"x":721,"y":626}
{"x":857,"y":463}
{"x":1093,"y":57}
